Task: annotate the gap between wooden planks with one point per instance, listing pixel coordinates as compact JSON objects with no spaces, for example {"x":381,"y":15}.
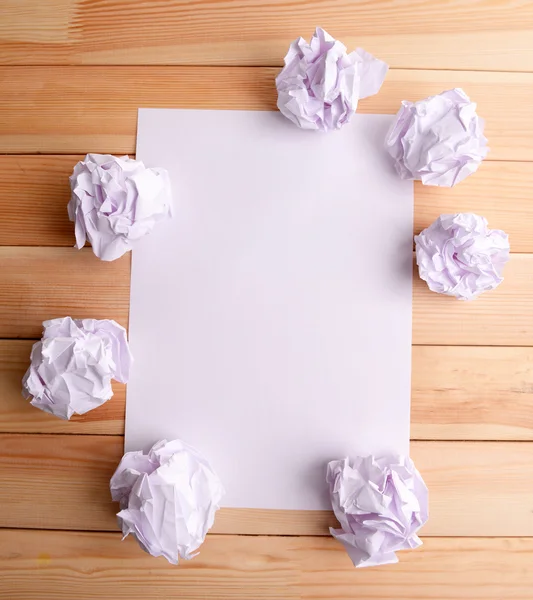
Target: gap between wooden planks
{"x":458,"y":393}
{"x":34,"y":192}
{"x":94,"y":109}
{"x":484,"y":35}
{"x":95,"y":566}
{"x":62,"y":482}
{"x":43,"y":283}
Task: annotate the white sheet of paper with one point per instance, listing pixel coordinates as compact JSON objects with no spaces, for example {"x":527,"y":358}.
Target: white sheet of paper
{"x":271,"y":317}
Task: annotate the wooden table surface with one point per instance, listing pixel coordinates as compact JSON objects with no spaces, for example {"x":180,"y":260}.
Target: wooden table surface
{"x":72,"y":75}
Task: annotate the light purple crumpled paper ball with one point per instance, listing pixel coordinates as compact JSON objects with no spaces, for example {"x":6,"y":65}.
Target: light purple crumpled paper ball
{"x":72,"y":366}
{"x":320,"y":85}
{"x":381,"y":503}
{"x":168,"y":499}
{"x":115,"y":202}
{"x":438,"y":140}
{"x":458,"y":255}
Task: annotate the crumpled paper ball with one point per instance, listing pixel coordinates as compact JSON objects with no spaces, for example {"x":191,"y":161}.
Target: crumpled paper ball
{"x":72,"y":366}
{"x":458,"y":255}
{"x":438,"y":140}
{"x":381,"y":503}
{"x":320,"y":85}
{"x":168,"y":499}
{"x":115,"y":202}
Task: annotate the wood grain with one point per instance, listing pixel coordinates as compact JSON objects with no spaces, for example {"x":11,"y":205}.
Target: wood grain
{"x":61,"y":565}
{"x":502,"y":192}
{"x":458,"y":393}
{"x":17,"y":415}
{"x":34,"y":193}
{"x":45,"y":283}
{"x":62,"y":482}
{"x":472,"y":393}
{"x":503,"y":317}
{"x":454,"y":35}
{"x":42,"y":283}
{"x":88,"y":109}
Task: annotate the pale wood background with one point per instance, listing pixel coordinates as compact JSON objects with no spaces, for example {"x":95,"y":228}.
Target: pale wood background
{"x":72,"y":75}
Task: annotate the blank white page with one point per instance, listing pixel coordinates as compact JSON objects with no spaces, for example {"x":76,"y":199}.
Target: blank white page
{"x":271,"y":316}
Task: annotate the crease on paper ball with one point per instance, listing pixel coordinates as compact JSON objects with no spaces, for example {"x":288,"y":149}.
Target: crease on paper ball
{"x":458,"y":255}
{"x":320,"y":84}
{"x":115,"y":202}
{"x":168,"y":499}
{"x":438,"y":140}
{"x":380,"y":503}
{"x":72,"y":366}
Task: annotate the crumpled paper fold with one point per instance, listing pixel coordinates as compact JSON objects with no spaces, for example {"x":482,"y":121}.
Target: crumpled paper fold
{"x":458,"y":255}
{"x":320,"y":85}
{"x":438,"y":140}
{"x":73,"y":364}
{"x":115,"y":202}
{"x":168,"y":499}
{"x":380,"y":503}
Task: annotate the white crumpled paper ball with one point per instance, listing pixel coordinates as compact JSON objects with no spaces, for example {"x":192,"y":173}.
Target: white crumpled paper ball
{"x":458,"y":255}
{"x":381,"y":503}
{"x":115,"y":202}
{"x":438,"y":140}
{"x":72,"y":366}
{"x":320,"y":85}
{"x":168,"y":499}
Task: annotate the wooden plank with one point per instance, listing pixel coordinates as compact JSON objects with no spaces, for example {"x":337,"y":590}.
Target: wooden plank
{"x":94,"y":109}
{"x":72,"y":473}
{"x":42,"y":283}
{"x":472,"y":393}
{"x":45,"y":283}
{"x":458,"y":393}
{"x":454,"y":35}
{"x":503,"y":317}
{"x":62,"y":482}
{"x":17,"y":415}
{"x":34,"y":192}
{"x":502,"y":192}
{"x":91,"y":566}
